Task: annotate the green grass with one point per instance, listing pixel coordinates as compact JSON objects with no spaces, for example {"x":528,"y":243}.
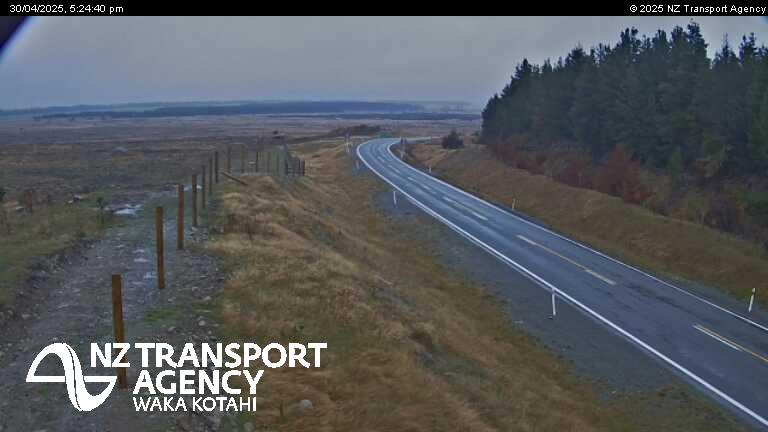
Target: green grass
{"x":163,"y":315}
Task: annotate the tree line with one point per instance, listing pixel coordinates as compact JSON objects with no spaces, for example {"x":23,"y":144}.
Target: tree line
{"x":660,"y":99}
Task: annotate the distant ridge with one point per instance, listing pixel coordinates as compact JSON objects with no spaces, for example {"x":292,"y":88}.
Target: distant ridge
{"x":215,"y":108}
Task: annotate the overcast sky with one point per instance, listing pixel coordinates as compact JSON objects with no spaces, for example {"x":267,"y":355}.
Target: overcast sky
{"x":95,"y":60}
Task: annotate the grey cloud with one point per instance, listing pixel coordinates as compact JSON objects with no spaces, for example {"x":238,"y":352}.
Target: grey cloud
{"x":64,"y":60}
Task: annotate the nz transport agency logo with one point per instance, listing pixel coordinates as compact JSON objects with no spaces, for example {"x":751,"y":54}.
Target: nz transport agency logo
{"x":73,"y":377}
{"x":203,"y":378}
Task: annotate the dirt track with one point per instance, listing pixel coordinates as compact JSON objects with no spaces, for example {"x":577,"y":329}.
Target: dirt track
{"x":78,"y":311}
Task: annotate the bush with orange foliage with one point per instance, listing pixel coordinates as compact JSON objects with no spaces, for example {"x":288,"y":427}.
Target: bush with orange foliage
{"x":620,"y":176}
{"x":576,"y":172}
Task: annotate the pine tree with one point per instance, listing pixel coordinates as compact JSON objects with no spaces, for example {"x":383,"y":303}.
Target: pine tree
{"x":660,"y":97}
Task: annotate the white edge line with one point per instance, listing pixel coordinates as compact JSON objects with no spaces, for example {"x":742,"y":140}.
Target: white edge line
{"x":584,"y":307}
{"x":734,"y":314}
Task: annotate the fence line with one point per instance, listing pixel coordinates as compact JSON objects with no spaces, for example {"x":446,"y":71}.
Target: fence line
{"x":275,"y":163}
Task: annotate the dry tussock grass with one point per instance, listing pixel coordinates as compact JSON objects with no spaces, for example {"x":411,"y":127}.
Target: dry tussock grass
{"x":410,"y":348}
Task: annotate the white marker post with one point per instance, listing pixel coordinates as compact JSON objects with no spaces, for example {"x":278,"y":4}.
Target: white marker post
{"x":752,"y":299}
{"x":430,"y":169}
{"x":554,"y":309}
{"x":394,"y":196}
{"x":514,"y":201}
{"x":357,"y":165}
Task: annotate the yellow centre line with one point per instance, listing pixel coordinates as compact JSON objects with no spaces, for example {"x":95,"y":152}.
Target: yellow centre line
{"x":729,"y":342}
{"x":579,"y":265}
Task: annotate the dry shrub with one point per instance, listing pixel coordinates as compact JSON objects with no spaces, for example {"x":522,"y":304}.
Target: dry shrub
{"x":620,"y":176}
{"x":577,"y":171}
{"x":28,"y":199}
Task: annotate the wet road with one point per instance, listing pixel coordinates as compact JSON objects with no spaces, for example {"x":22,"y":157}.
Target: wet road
{"x":722,"y":352}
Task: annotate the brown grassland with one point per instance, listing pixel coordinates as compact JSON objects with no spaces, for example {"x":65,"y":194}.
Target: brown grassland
{"x":30,"y":238}
{"x":632,"y":233}
{"x":117,"y":159}
{"x":411,"y":346}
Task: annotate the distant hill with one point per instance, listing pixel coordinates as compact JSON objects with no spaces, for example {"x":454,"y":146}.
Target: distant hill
{"x":137,"y":106}
{"x":183,"y":110}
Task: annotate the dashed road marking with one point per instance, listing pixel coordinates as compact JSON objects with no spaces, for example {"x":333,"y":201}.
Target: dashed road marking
{"x":546,"y":285}
{"x":469,"y":209}
{"x":565,"y":258}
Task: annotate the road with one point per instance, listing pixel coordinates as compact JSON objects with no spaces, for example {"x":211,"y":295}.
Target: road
{"x":722,"y":352}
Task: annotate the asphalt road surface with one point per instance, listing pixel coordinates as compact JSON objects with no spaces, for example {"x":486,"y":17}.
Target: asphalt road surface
{"x":722,"y":352}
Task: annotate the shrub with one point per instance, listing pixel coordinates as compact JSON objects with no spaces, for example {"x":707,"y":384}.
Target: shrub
{"x":28,"y":199}
{"x":620,"y":176}
{"x":577,"y":172}
{"x":726,"y":214}
{"x":757,"y":206}
{"x":452,"y":141}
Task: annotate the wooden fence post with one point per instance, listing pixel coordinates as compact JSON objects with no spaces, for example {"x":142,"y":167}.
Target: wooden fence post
{"x":210,"y":177}
{"x":117,"y":320}
{"x":216,"y":165}
{"x":194,"y":200}
{"x":180,"y":220}
{"x":202,"y":178}
{"x":242,"y":159}
{"x":160,"y":247}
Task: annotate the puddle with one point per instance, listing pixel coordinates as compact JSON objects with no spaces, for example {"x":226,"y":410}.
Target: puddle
{"x":128,"y":210}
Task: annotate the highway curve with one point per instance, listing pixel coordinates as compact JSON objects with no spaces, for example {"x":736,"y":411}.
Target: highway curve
{"x":720,"y":351}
